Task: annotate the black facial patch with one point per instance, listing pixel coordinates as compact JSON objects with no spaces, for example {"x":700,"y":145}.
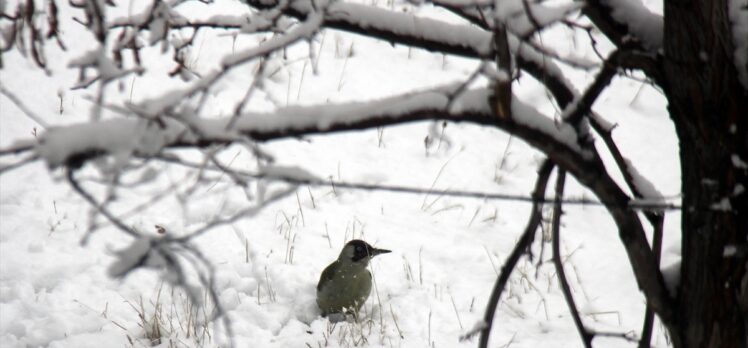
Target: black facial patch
{"x":360,"y":250}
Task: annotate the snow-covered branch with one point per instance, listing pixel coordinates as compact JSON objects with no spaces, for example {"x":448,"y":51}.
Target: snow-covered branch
{"x":627,"y":22}
{"x":429,"y":34}
{"x":136,"y":136}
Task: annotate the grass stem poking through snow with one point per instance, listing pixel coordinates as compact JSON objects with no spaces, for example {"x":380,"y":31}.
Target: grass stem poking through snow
{"x":301,"y":80}
{"x":327,"y":234}
{"x":425,"y":206}
{"x":454,"y":306}
{"x":311,"y":196}
{"x":301,"y":210}
{"x":271,"y":292}
{"x":345,"y":63}
{"x":394,"y":319}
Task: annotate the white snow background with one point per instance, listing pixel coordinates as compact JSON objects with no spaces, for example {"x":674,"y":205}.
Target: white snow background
{"x":56,"y":292}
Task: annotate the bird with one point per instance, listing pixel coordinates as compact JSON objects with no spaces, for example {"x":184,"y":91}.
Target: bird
{"x":345,"y":284}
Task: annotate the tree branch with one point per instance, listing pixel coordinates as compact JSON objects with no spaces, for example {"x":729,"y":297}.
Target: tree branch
{"x":626,"y":22}
{"x":556,"y":140}
{"x":657,"y":224}
{"x":70,"y":174}
{"x":581,"y":106}
{"x":428,"y":34}
{"x":655,"y":218}
{"x":522,"y":245}
{"x":559,"y":265}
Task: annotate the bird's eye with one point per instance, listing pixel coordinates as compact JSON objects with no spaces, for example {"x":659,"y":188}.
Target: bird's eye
{"x":359,"y":249}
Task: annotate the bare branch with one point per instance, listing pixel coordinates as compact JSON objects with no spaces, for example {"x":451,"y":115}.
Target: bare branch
{"x":657,"y":223}
{"x":17,"y":148}
{"x":21,"y":163}
{"x":98,"y":207}
{"x":559,"y":265}
{"x":26,"y":111}
{"x":522,"y":245}
{"x":580,"y":106}
{"x":655,"y":218}
{"x":209,"y":282}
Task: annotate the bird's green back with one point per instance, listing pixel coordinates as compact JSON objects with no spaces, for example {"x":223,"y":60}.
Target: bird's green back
{"x":327,"y":274}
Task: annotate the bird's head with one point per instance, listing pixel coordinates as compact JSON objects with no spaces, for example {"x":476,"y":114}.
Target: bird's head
{"x":359,"y":252}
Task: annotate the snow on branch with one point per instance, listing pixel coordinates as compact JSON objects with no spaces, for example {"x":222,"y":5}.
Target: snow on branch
{"x":246,"y":23}
{"x":429,"y":34}
{"x":403,"y":28}
{"x":641,"y":22}
{"x":642,"y":187}
{"x":627,"y":21}
{"x":305,"y":30}
{"x":379,"y":23}
{"x":144,"y":137}
{"x":524,"y":18}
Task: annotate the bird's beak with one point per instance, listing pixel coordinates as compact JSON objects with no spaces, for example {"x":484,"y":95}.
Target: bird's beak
{"x":375,"y":252}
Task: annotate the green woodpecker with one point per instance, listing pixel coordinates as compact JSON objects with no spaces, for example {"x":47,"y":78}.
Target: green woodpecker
{"x":345,"y":284}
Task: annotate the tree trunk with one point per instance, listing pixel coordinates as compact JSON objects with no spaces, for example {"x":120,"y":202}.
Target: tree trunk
{"x":709,"y":108}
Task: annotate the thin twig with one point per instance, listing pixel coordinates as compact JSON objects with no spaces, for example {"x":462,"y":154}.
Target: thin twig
{"x":556,"y":228}
{"x":23,"y":107}
{"x":101,"y":209}
{"x":29,"y":159}
{"x":575,"y":111}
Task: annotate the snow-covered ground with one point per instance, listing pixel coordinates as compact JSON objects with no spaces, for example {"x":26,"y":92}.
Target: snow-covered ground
{"x":55,"y":290}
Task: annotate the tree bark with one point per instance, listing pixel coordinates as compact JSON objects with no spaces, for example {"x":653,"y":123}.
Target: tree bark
{"x":709,"y":108}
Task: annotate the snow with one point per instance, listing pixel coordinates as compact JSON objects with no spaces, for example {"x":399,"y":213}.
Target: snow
{"x":645,"y":187}
{"x":56,"y":292}
{"x":737,"y":162}
{"x":723,"y":205}
{"x":739,"y":189}
{"x":643,"y":23}
{"x":738,"y":12}
{"x":130,"y":257}
{"x":116,"y":136}
{"x":563,"y":132}
{"x":730,"y":251}
{"x":516,"y":17}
